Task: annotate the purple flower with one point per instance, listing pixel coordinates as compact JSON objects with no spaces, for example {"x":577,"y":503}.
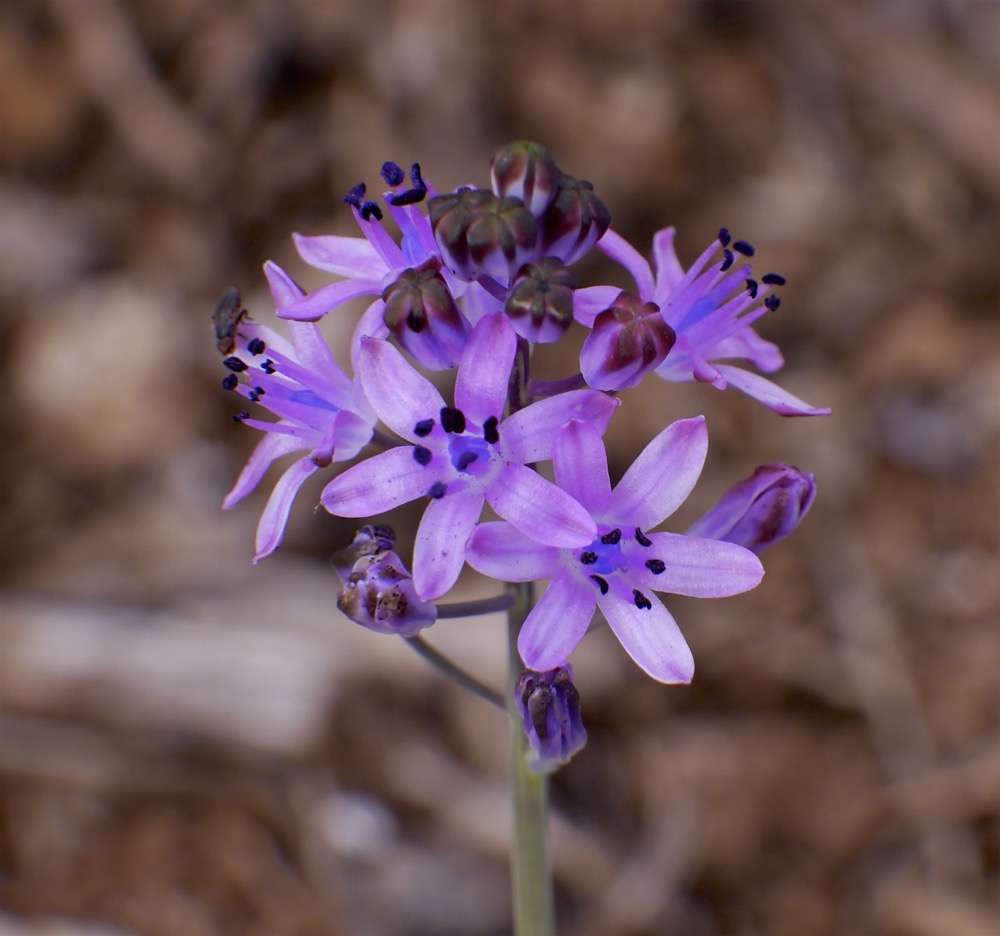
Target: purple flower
{"x":619,"y":570}
{"x":549,"y":706}
{"x":319,"y":409}
{"x":711,"y":308}
{"x":760,"y":511}
{"x":464,"y":455}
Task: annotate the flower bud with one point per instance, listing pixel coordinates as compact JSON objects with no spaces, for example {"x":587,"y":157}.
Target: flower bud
{"x":540,"y":302}
{"x":575,"y":221}
{"x":478,"y":233}
{"x":763,"y":509}
{"x":424,"y":317}
{"x":628,"y":339}
{"x":549,"y":706}
{"x":368,"y":541}
{"x":527,"y":171}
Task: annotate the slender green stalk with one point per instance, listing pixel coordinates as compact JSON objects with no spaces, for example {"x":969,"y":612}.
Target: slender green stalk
{"x":531,"y":871}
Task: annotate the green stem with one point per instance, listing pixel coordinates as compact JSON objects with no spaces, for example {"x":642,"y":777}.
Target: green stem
{"x":531,"y":871}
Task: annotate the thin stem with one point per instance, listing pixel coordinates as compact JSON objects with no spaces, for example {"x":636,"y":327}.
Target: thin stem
{"x":454,"y":672}
{"x":547,"y":388}
{"x":534,"y":913}
{"x":458,"y":609}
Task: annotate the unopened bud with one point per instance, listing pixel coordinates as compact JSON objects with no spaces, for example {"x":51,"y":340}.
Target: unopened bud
{"x":379,"y":594}
{"x":760,"y":511}
{"x":629,"y":339}
{"x":527,"y":171}
{"x":575,"y":221}
{"x":477,"y":233}
{"x":540,"y":302}
{"x":424,"y":317}
{"x":549,"y":706}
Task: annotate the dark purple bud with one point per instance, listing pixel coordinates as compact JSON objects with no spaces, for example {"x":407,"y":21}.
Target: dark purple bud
{"x":424,"y":317}
{"x":549,"y":706}
{"x":540,"y":302}
{"x":760,"y":511}
{"x":527,"y":171}
{"x":478,"y":233}
{"x":575,"y":221}
{"x":629,"y":339}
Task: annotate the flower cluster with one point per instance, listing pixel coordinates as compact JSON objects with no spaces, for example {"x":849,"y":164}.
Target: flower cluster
{"x":475,"y":279}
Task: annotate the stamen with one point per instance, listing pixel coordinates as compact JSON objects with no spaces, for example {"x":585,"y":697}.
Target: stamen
{"x":602,"y":584}
{"x":724,"y":236}
{"x":588,"y":557}
{"x":235,"y":364}
{"x":452,"y":420}
{"x":741,"y":246}
{"x":356,"y":195}
{"x":392,"y":174}
{"x":229,"y":382}
{"x":772,"y":302}
{"x":490,"y":432}
{"x":612,"y":538}
{"x":641,"y":601}
{"x":438,"y":490}
{"x":727,"y":261}
{"x":256,"y":346}
{"x":642,"y":539}
{"x":466,"y":459}
{"x":370,"y":210}
{"x":423,"y":428}
{"x":416,"y":177}
{"x":268,"y":367}
{"x":409,"y":197}
{"x":752,"y":288}
{"x":421,"y":455}
{"x":773,"y":279}
{"x":239,"y":417}
{"x":656,"y":566}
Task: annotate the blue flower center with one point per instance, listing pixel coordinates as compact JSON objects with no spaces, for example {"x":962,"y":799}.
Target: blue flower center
{"x":604,"y":555}
{"x":469,"y":453}
{"x":308,"y":398}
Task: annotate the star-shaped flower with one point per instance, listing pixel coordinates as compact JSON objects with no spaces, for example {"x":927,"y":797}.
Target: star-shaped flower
{"x":619,"y":570}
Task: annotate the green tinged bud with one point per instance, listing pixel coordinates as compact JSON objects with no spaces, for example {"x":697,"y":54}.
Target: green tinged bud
{"x":540,"y":302}
{"x":575,"y":221}
{"x":527,"y":171}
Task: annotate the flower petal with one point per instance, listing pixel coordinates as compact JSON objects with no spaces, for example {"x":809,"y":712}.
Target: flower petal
{"x":352,"y":257}
{"x":581,"y":466}
{"x":770,"y":394}
{"x":439,"y":550}
{"x":557,"y":623}
{"x":701,"y":568}
{"x":669,"y":271}
{"x":325,"y":299}
{"x":539,"y":509}
{"x":663,"y":475}
{"x":615,"y":246}
{"x":483,"y":373}
{"x":530,"y":434}
{"x":649,"y":635}
{"x":503,"y":552}
{"x":271,"y":447}
{"x":377,"y":484}
{"x":274,"y":519}
{"x":591,"y":301}
{"x":400,"y":395}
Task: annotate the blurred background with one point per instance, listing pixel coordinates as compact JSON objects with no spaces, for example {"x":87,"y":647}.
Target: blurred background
{"x":191,"y":745}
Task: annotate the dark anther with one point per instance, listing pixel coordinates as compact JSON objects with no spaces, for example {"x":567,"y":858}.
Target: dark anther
{"x":772,"y":302}
{"x":752,"y":288}
{"x":229,"y":382}
{"x":416,"y":178}
{"x":253,"y":395}
{"x":392,"y":173}
{"x":656,"y":566}
{"x":259,"y":391}
{"x":410,"y":197}
{"x":256,"y":346}
{"x":588,"y":557}
{"x":602,"y":583}
{"x":268,"y":367}
{"x":642,"y":539}
{"x":239,"y":417}
{"x":466,"y":459}
{"x":370,"y":210}
{"x":724,"y":237}
{"x":437,"y":490}
{"x":773,"y":279}
{"x":356,"y":195}
{"x":490,"y":432}
{"x":641,"y":601}
{"x":423,"y":428}
{"x":452,"y":420}
{"x":612,"y":538}
{"x":744,"y":248}
{"x":235,"y":364}
{"x":727,"y":261}
{"x":421,"y":455}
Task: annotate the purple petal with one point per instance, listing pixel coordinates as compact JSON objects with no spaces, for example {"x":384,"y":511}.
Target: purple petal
{"x":591,"y":301}
{"x":502,"y":552}
{"x":271,"y":529}
{"x":399,"y":394}
{"x":325,"y":299}
{"x":271,"y":447}
{"x":650,"y":636}
{"x":701,"y":568}
{"x":529,"y":435}
{"x":768,"y":393}
{"x":352,"y":257}
{"x":581,"y":466}
{"x":370,"y":325}
{"x":284,"y":290}
{"x":377,"y":484}
{"x":539,"y":509}
{"x":747,"y":345}
{"x":557,"y":623}
{"x":669,"y":271}
{"x":483,"y":373}
{"x":663,"y":475}
{"x":439,"y":550}
{"x":615,"y":246}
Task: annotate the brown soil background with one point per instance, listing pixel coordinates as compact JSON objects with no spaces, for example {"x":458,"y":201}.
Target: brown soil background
{"x":192,"y":745}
